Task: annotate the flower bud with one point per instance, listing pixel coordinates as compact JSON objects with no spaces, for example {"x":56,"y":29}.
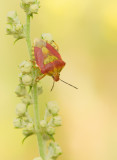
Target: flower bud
{"x":53,"y":107}
{"x":34,"y":8}
{"x":50,"y":130}
{"x":17,"y":123}
{"x":20,"y":109}
{"x":27,"y":100}
{"x":38,"y":158}
{"x":27,"y":132}
{"x":27,"y":119}
{"x":27,"y":80}
{"x":56,"y":150}
{"x":30,"y":127}
{"x":39,"y":43}
{"x":57,"y":121}
{"x":43,"y":123}
{"x":28,"y":1}
{"x":9,"y":29}
{"x":20,"y":91}
{"x":47,"y":37}
{"x":19,"y":28}
{"x":25,"y":67}
{"x":11,"y":16}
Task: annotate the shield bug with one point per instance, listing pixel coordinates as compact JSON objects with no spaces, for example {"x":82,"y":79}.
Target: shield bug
{"x":48,"y":59}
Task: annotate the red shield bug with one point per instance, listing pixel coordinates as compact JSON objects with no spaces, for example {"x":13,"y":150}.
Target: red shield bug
{"x":48,"y":59}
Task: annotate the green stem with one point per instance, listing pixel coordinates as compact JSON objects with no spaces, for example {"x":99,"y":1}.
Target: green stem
{"x":27,"y":31}
{"x":40,"y":139}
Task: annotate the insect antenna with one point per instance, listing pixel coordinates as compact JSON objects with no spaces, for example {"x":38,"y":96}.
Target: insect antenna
{"x":52,"y":86}
{"x":68,"y":84}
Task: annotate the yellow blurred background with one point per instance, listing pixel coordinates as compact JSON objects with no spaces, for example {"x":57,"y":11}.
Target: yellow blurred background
{"x":86,"y":32}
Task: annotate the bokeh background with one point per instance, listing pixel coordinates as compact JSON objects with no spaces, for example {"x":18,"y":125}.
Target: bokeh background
{"x":86,"y":32}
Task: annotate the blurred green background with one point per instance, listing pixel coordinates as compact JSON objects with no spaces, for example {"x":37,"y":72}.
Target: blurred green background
{"x":86,"y":32}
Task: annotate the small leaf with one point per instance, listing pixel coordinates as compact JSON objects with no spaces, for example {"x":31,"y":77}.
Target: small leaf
{"x":52,"y":138}
{"x":26,"y":137}
{"x":16,"y":40}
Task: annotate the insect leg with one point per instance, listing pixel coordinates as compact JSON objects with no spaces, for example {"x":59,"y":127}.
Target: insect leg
{"x":40,"y":77}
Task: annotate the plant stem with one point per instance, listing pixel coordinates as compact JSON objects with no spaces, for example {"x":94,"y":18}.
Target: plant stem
{"x":27,"y":32}
{"x":40,"y":139}
{"x":37,"y":126}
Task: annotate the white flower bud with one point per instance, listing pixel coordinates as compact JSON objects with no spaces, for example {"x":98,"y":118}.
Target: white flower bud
{"x":53,"y":107}
{"x":27,"y":132}
{"x":50,"y":130}
{"x":9,"y":29}
{"x":25,"y":67}
{"x":17,"y":123}
{"x":43,"y":123}
{"x":56,"y":150}
{"x":57,"y":121}
{"x":19,"y":28}
{"x":11,"y":16}
{"x":47,"y":37}
{"x":38,"y":158}
{"x":30,"y":126}
{"x":27,"y":100}
{"x":21,"y":109}
{"x":27,"y":80}
{"x":28,"y":1}
{"x":27,"y":120}
{"x":20,"y":91}
{"x":34,"y":8}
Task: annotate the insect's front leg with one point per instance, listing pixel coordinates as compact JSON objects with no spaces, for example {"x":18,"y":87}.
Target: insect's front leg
{"x":40,"y":77}
{"x":33,"y":61}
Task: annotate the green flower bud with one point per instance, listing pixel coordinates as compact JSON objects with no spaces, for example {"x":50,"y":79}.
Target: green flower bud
{"x":53,"y":107}
{"x":43,"y":123}
{"x":34,"y":8}
{"x":38,"y":158}
{"x":21,"y":109}
{"x":57,"y":121}
{"x":28,"y":1}
{"x":17,"y":123}
{"x":27,"y":100}
{"x":27,"y":80}
{"x":20,"y":91}
{"x":25,"y":67}
{"x":50,"y":130}
{"x":47,"y":37}
{"x":11,"y":16}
